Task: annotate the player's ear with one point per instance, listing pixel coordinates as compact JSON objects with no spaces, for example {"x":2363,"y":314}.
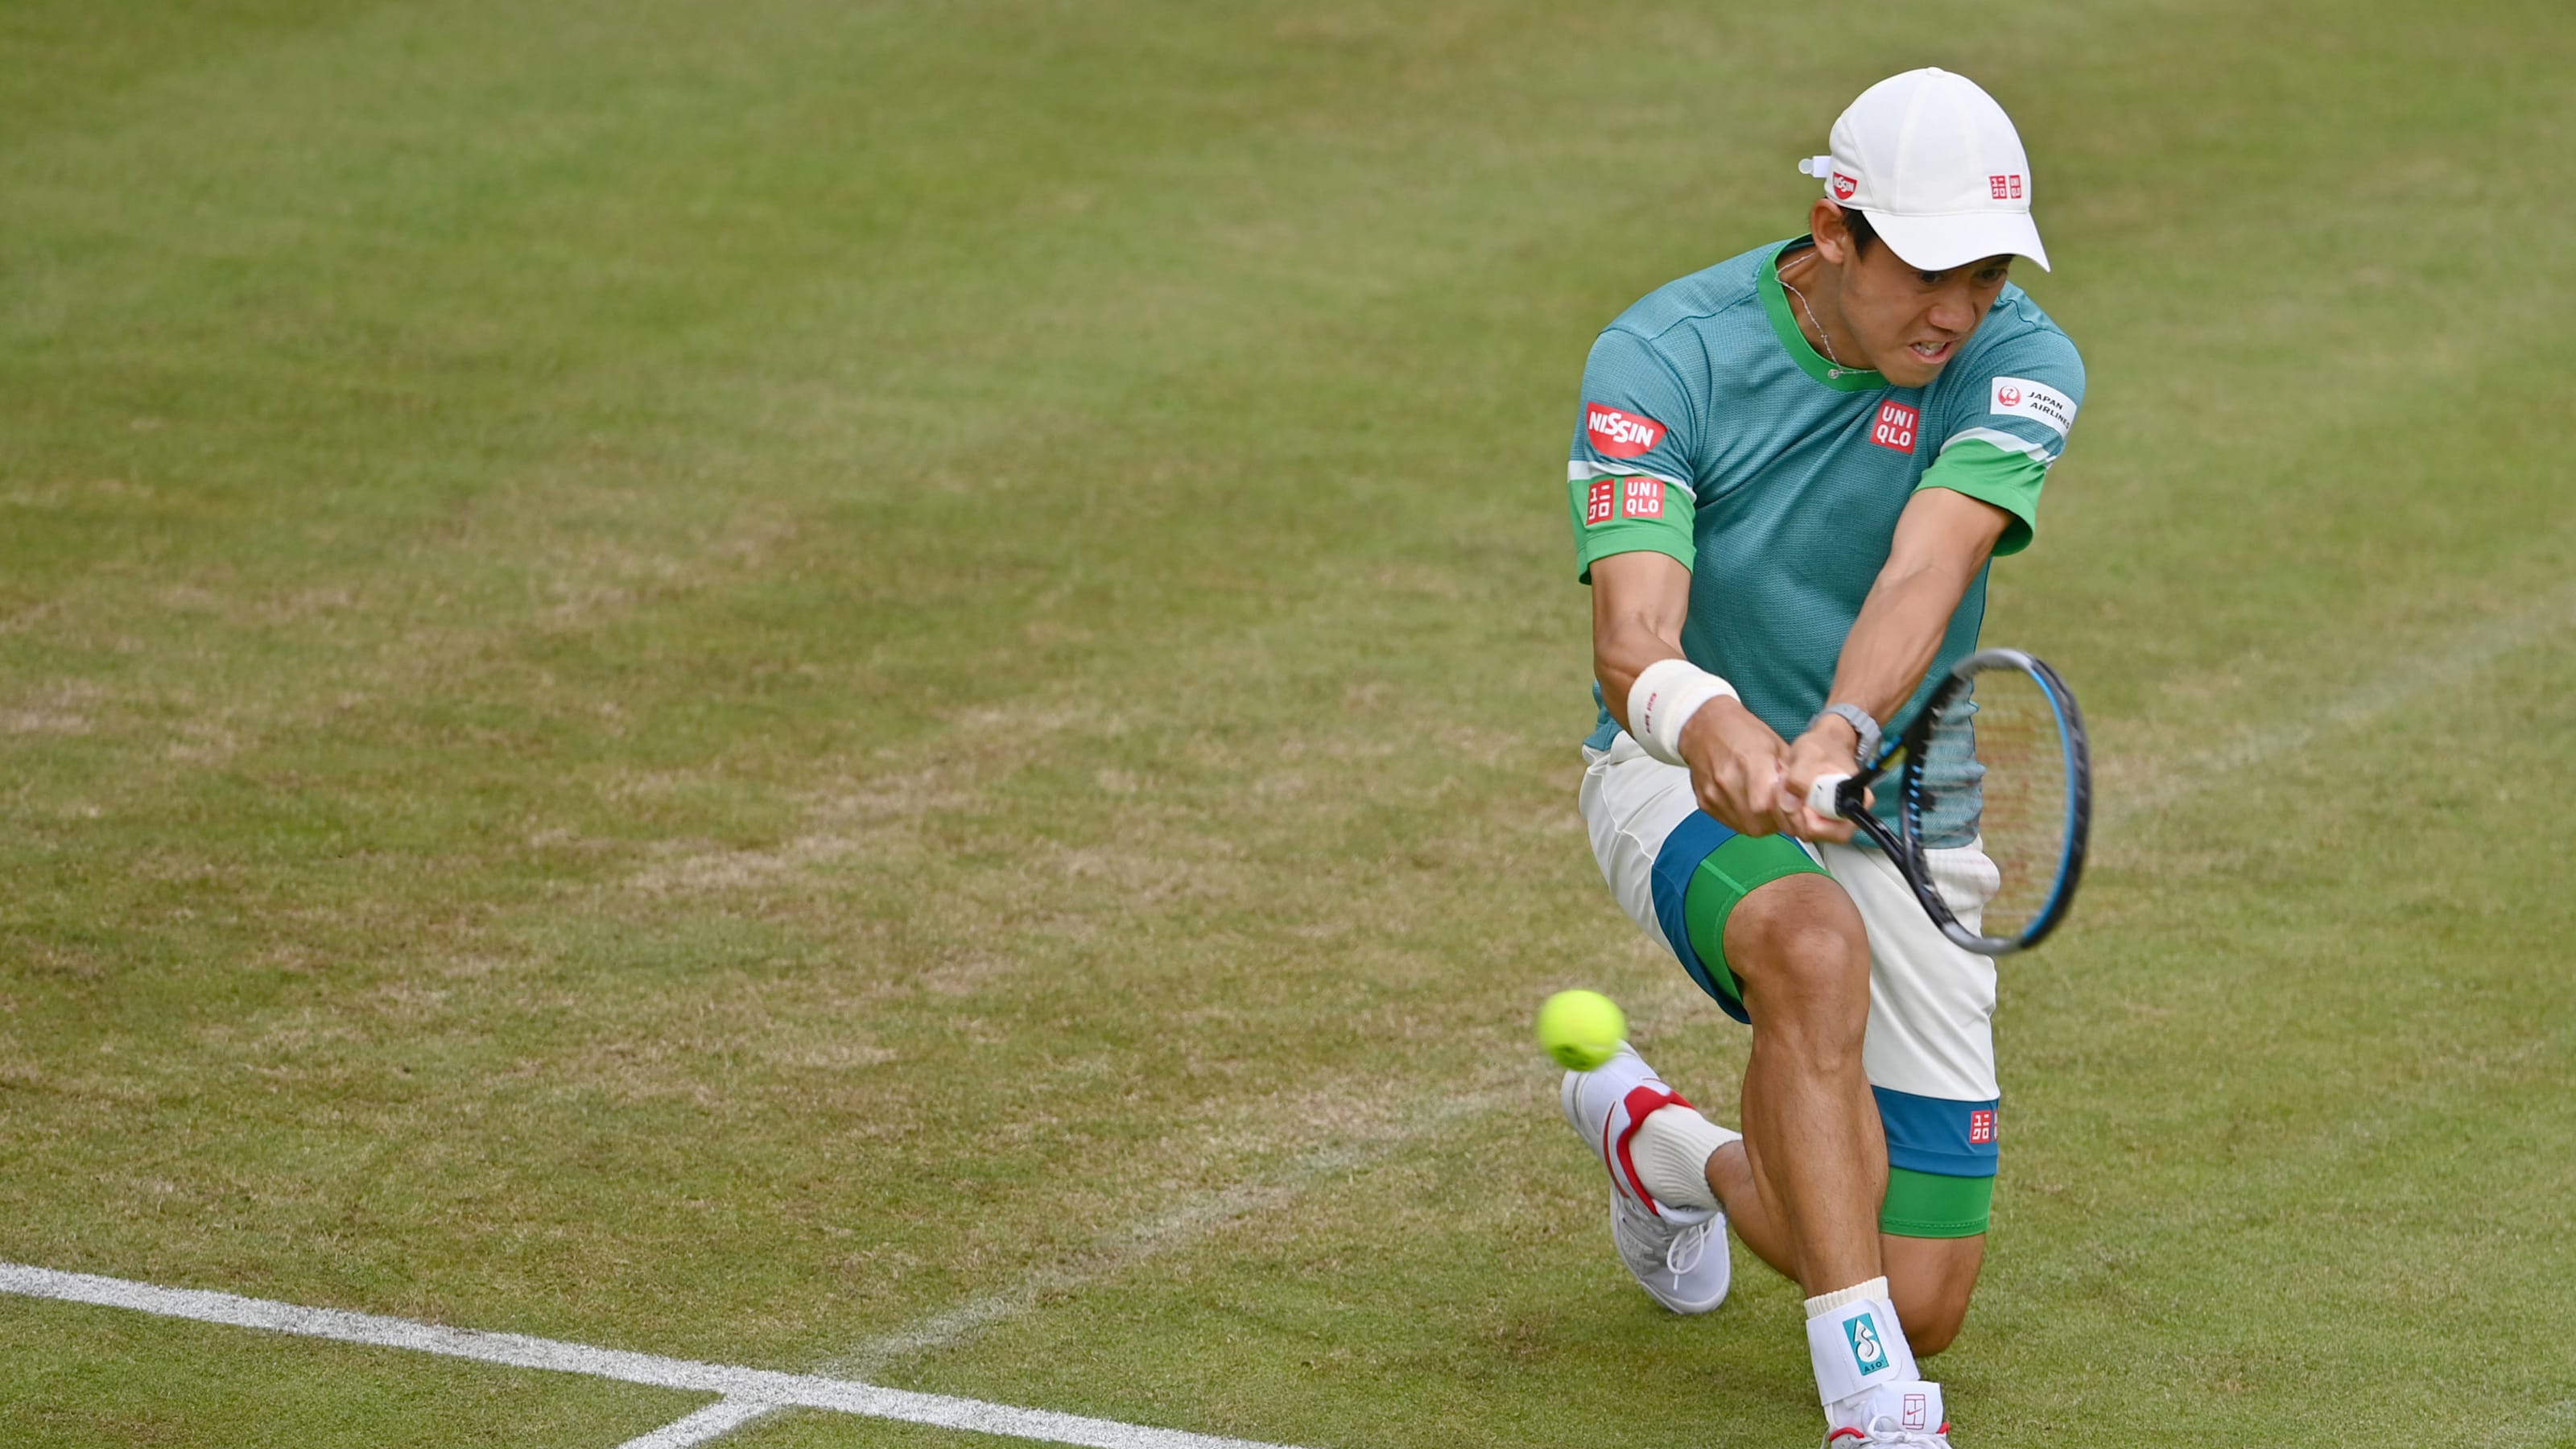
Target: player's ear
{"x":1833,"y":238}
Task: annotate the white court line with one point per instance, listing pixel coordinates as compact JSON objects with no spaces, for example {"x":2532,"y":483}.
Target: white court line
{"x":761,"y":1387}
{"x":1174,"y":1229}
{"x":710,"y":1423}
{"x":2394,"y":682}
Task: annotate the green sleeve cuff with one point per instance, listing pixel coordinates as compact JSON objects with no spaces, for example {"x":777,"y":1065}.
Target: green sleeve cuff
{"x":1615,"y":515}
{"x":2008,"y":480}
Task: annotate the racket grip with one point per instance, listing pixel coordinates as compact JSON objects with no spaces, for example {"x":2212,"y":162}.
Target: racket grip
{"x":1820,"y":796}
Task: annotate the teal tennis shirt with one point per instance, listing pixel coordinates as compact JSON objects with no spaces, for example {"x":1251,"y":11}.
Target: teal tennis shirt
{"x":1713,"y":432}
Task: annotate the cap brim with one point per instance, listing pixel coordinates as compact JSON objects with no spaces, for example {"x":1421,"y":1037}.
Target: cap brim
{"x":1938,"y":243}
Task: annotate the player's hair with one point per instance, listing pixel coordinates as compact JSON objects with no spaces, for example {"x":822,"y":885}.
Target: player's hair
{"x":1856,"y":221}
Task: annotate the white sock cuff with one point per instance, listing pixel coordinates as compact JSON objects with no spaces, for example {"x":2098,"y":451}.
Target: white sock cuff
{"x":1828,"y":1302}
{"x":1858,"y":1347}
{"x":1671,"y":1150}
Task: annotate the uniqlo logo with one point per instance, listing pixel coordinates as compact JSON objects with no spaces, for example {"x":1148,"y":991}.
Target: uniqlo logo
{"x":1619,"y":434}
{"x":1981,"y":1126}
{"x":1918,"y":1408}
{"x":2004,"y":188}
{"x":1895,"y":427}
{"x":1603,"y":505}
{"x":1641,"y":498}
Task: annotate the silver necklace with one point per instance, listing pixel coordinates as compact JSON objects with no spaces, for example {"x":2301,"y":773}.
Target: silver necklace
{"x":1811,"y":317}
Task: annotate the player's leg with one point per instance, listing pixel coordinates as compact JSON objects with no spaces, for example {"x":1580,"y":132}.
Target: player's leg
{"x":1814,"y":1165}
{"x":1713,"y":898}
{"x":1797,"y":948}
{"x":1931,"y":1062}
{"x":1820,"y":1170}
{"x":1674,"y":1245}
{"x":1929,"y":1279}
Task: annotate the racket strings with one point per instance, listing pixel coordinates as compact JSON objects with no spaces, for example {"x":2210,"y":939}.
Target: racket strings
{"x":2016,"y":799}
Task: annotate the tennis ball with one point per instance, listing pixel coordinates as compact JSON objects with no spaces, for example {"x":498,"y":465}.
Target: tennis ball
{"x":1581,"y":1029}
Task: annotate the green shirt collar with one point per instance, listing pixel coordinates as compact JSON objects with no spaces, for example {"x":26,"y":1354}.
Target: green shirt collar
{"x":1775,"y":302}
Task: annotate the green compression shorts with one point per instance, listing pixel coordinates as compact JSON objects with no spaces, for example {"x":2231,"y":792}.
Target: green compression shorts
{"x":1715,"y":881}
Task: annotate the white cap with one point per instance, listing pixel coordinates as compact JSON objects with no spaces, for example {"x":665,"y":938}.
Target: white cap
{"x":1938,"y":168}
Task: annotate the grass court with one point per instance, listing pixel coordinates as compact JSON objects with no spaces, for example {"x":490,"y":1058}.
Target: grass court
{"x":891,"y":689}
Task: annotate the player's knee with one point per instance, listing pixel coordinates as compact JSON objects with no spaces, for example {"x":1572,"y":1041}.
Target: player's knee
{"x":1932,"y":1314}
{"x":1798,"y":947}
{"x":1931,"y":1280}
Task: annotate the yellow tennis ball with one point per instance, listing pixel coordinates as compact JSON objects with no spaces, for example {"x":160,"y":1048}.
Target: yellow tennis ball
{"x":1581,"y":1029}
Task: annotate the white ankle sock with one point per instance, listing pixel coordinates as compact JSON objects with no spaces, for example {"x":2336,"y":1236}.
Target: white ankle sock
{"x":1671,"y":1150}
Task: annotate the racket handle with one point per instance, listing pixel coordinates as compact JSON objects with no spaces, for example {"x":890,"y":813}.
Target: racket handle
{"x":1820,"y":796}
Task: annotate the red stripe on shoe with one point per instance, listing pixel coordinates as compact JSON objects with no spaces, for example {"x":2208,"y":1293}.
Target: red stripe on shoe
{"x":1642,"y":1102}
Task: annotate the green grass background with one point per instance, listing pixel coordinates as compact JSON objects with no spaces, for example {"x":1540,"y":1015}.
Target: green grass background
{"x":714,"y":678}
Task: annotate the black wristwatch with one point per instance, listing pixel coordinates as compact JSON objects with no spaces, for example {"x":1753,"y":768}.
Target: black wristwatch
{"x":1865,"y":753}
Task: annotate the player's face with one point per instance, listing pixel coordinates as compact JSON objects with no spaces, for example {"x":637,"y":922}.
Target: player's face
{"x":1912,"y":322}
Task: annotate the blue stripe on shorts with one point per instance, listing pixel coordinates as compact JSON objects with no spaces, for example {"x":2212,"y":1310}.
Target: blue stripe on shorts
{"x":1694,"y":840}
{"x":1937,"y":1135}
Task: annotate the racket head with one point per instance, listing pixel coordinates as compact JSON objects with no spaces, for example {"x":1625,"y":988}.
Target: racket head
{"x":1998,"y":801}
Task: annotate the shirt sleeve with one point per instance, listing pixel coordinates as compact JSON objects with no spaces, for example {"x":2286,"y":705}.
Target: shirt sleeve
{"x":2019,"y":409}
{"x":1628,"y":475}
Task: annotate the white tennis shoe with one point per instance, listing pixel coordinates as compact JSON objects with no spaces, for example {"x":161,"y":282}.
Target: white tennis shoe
{"x":1678,"y":1254}
{"x":1896,"y":1416}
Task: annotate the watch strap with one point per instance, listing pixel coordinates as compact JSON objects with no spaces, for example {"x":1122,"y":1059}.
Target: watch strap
{"x":1865,"y":751}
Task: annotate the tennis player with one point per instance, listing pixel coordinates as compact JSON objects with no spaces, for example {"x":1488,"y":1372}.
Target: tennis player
{"x":1789,"y":476}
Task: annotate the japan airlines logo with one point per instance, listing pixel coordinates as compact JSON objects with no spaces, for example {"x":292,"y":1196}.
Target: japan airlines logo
{"x":1981,"y":1126}
{"x":1895,"y":427}
{"x":1844,"y":186}
{"x":2022,"y":398}
{"x":1620,"y":435}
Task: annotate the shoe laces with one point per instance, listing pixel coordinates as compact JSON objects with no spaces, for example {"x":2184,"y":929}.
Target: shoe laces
{"x":1688,"y":1246}
{"x":1885,"y":1430}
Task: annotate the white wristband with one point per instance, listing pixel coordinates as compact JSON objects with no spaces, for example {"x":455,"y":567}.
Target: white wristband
{"x":1663,"y":700}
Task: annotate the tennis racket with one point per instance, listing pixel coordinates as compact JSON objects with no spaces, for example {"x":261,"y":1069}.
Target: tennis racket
{"x":1995,"y":799}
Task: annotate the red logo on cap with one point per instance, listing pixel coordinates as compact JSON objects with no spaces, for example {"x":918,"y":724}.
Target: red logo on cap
{"x":1844,"y":186}
{"x":2004,"y":188}
{"x":1895,"y":427}
{"x":1620,"y":435}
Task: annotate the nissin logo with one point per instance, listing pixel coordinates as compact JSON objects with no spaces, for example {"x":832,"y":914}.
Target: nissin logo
{"x":1619,"y":434}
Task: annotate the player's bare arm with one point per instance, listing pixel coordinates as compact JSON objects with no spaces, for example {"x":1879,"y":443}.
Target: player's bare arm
{"x":1639,"y":601}
{"x":1942,"y":541}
